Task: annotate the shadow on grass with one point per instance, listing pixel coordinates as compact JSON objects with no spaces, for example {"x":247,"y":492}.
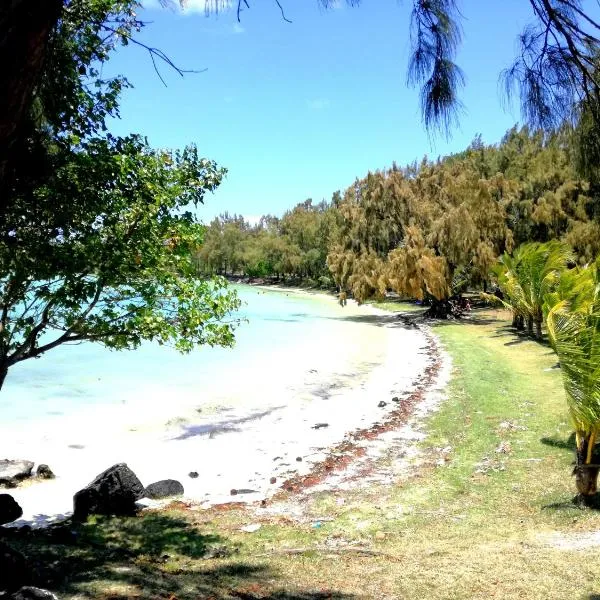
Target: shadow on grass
{"x":563,"y":444}
{"x":154,"y":555}
{"x":576,"y":503}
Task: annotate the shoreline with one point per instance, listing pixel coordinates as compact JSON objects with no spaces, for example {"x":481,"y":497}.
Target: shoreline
{"x":255,"y":447}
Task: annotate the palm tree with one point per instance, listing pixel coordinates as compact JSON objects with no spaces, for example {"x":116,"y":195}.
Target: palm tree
{"x":528,"y":276}
{"x":512,"y":290}
{"x":573,"y":321}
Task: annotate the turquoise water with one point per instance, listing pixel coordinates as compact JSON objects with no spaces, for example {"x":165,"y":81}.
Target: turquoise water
{"x":75,"y":377}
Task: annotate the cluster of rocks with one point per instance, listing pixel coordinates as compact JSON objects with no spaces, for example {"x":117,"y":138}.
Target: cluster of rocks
{"x":13,"y":472}
{"x":115,"y":491}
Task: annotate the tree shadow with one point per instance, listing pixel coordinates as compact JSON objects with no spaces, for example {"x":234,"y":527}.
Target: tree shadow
{"x":568,"y":444}
{"x":154,"y":555}
{"x":395,"y":320}
{"x":576,"y":503}
{"x":225,"y":426}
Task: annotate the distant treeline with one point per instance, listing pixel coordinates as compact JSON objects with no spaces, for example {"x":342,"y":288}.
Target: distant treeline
{"x":428,"y":230}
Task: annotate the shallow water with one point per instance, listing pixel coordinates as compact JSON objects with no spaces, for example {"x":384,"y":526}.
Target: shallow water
{"x":276,"y":340}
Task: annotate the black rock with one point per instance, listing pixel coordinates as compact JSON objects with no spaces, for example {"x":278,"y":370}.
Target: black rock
{"x":32,"y":593}
{"x":14,"y":569}
{"x":320,"y":425}
{"x":382,"y":404}
{"x":13,"y":471}
{"x":113,"y":492}
{"x":193,"y":474}
{"x":44,"y":472}
{"x":395,"y":399}
{"x":9,"y":509}
{"x":164,"y":489}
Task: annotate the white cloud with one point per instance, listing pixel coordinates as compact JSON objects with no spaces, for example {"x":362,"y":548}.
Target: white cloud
{"x":207,"y":6}
{"x":318,"y":103}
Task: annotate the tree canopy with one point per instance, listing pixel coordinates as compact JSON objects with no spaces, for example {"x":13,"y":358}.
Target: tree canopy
{"x":99,"y":236}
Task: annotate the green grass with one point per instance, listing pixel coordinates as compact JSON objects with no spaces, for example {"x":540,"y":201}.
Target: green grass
{"x":480,"y":524}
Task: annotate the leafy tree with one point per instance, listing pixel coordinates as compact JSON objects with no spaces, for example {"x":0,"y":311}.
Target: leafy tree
{"x":98,"y":239}
{"x":116,"y":267}
{"x":432,"y":229}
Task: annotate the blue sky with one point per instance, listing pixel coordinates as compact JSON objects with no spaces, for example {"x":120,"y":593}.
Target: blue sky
{"x":298,"y":110}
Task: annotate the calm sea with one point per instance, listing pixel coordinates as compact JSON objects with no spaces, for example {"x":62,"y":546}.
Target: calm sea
{"x":70,"y":378}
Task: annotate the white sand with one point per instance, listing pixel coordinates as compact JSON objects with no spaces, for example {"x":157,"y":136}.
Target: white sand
{"x":250,"y":429}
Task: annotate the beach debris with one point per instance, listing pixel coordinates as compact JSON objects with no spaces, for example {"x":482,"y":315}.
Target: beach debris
{"x":251,"y":528}
{"x":316,"y":525}
{"x":320,"y":425}
{"x":76,"y":446}
{"x":382,"y":404}
{"x":163,"y":489}
{"x":395,"y":399}
{"x":9,"y":509}
{"x":14,"y":568}
{"x":273,"y":480}
{"x":193,"y":474}
{"x":298,"y":459}
{"x":44,"y":472}
{"x":236,"y":491}
{"x":113,"y":492}
{"x":13,"y":471}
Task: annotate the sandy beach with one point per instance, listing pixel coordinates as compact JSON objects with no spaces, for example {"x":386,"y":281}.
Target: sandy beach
{"x":254,"y":428}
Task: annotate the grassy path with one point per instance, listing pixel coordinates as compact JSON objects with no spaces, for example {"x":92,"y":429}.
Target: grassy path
{"x":487,"y":512}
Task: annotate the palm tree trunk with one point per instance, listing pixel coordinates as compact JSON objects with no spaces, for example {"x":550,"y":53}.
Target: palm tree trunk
{"x":515,"y":320}
{"x":586,"y":469}
{"x":538,"y":329}
{"x":530,"y":325}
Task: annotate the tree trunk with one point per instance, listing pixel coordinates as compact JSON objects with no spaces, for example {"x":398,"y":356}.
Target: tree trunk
{"x":530,"y":325}
{"x":3,"y":374}
{"x":25,"y":27}
{"x":586,"y":480}
{"x":538,"y":329}
{"x":515,"y":320}
{"x":586,"y":469}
